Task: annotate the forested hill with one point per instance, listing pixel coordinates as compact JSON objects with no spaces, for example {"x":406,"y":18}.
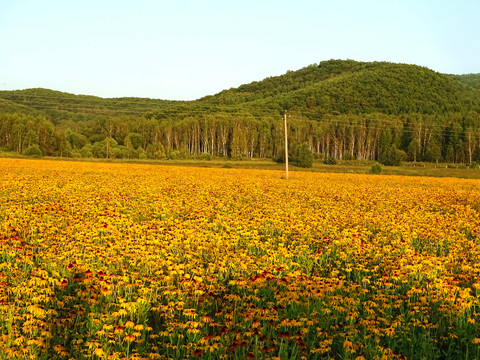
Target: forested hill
{"x":7,"y":106}
{"x":340,"y":108}
{"x":61,"y":105}
{"x":470,"y":79}
{"x":354,"y":87}
{"x":333,"y":86}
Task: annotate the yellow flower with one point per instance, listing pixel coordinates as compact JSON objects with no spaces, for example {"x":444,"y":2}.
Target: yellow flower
{"x":129,"y":324}
{"x":99,"y":352}
{"x":128,"y":338}
{"x":348,"y":346}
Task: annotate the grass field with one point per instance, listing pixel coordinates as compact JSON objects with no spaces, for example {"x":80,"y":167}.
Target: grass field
{"x":141,"y":261}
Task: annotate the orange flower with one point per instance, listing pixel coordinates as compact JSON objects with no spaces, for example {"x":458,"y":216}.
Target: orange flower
{"x":129,"y":324}
{"x":128,"y":338}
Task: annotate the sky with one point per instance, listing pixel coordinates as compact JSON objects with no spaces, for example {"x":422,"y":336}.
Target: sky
{"x":187,"y":49}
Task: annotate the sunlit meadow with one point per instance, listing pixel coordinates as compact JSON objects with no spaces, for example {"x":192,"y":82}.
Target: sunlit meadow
{"x":116,"y":261}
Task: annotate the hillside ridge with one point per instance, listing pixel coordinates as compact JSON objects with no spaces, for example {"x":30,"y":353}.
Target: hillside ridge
{"x":281,"y":86}
{"x":340,"y":109}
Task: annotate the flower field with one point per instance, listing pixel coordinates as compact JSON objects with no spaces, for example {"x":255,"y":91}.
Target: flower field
{"x":117,"y":261}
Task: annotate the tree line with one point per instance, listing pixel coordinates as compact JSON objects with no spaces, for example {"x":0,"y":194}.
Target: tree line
{"x":386,"y":138}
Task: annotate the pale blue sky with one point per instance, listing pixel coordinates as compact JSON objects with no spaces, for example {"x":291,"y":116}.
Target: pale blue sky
{"x":185,"y":49}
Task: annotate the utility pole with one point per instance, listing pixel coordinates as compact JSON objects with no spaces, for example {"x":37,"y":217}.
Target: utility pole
{"x":286,"y":145}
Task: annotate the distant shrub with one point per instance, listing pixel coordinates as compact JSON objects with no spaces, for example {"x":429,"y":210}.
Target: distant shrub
{"x":33,"y":150}
{"x":280,"y":158}
{"x":155,"y":151}
{"x":393,"y":156}
{"x":205,"y":156}
{"x":303,"y":156}
{"x":76,"y":154}
{"x":376,"y":169}
{"x":173,"y":155}
{"x":330,"y":161}
{"x":87,"y":151}
{"x":115,"y":153}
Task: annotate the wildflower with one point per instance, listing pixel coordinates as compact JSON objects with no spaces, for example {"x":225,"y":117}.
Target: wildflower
{"x":129,"y":324}
{"x":390,"y":331}
{"x":128,"y":338}
{"x":348,"y":346}
{"x":99,"y":352}
{"x":139,"y":327}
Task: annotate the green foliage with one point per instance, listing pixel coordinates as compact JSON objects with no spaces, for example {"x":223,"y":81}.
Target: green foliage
{"x":62,"y":105}
{"x":76,"y":154}
{"x":350,"y":87}
{"x":393,"y":156}
{"x":31,"y":138}
{"x":133,"y":140}
{"x":330,"y":160}
{"x":280,"y":158}
{"x":173,"y":155}
{"x":155,"y":151}
{"x":141,"y":154}
{"x":76,"y":140}
{"x":87,"y":151}
{"x":472,"y":80}
{"x":433,"y":151}
{"x":33,"y":150}
{"x":389,"y":154}
{"x":304,"y":156}
{"x":376,"y":169}
{"x":205,"y":156}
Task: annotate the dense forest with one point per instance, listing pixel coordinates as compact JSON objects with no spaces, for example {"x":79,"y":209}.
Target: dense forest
{"x":341,"y":109}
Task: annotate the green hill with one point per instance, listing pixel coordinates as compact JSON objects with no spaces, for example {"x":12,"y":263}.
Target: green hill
{"x":330,"y":87}
{"x":350,"y":87}
{"x":7,"y":106}
{"x":341,"y":108}
{"x":62,"y":105}
{"x":470,"y":79}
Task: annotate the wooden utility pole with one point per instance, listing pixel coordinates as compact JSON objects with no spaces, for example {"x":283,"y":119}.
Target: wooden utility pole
{"x":286,"y":145}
